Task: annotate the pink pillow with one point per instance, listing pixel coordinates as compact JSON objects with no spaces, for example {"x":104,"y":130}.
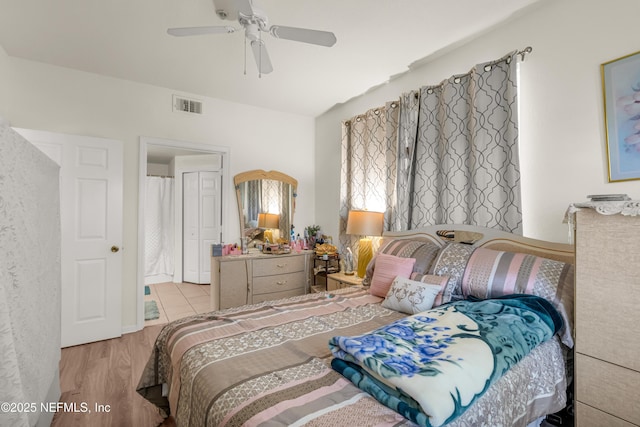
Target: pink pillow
{"x":387,"y":268}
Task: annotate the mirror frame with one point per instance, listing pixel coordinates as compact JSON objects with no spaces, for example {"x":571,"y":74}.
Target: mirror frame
{"x":259,"y":174}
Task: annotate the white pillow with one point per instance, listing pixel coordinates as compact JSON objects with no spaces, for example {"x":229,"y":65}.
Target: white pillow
{"x":409,"y":296}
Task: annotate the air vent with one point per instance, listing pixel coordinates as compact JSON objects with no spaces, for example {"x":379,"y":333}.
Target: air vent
{"x":187,"y":105}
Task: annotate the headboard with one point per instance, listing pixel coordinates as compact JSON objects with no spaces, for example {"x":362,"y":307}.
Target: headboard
{"x":488,"y":238}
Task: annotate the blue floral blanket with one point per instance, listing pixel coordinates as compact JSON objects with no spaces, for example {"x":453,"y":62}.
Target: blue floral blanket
{"x":430,"y":367}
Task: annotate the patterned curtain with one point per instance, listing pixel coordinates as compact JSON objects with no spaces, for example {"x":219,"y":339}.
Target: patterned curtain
{"x":466,"y":155}
{"x":369,"y":145}
{"x":407,"y":135}
{"x":445,"y":154}
{"x":253,"y":202}
{"x":286,"y":199}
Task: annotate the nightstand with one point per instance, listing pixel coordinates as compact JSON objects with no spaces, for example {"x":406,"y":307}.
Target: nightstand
{"x":341,"y":280}
{"x":322,"y":266}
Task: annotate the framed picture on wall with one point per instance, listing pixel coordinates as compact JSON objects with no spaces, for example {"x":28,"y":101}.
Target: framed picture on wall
{"x":621,"y":87}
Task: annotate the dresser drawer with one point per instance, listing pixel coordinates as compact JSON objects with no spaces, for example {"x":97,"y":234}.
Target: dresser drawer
{"x":610,"y":388}
{"x":278,"y":283}
{"x":586,"y":416}
{"x":278,"y":265}
{"x":277,"y":295}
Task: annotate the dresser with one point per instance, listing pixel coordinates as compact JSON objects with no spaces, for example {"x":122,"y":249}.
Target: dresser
{"x":607,"y":318}
{"x":248,"y":279}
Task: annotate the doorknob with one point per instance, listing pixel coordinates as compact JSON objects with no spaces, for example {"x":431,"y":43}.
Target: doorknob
{"x":114,"y":249}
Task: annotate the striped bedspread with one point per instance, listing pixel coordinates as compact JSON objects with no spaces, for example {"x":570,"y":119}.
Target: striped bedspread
{"x":270,"y":364}
{"x":217,"y":376}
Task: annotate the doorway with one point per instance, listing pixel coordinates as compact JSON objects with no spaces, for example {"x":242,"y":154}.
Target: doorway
{"x":171,"y":158}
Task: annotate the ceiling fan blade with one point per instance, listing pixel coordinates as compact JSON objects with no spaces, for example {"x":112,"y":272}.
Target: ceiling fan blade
{"x":322,"y":38}
{"x":245,"y":7}
{"x":261,"y":56}
{"x":198,"y":31}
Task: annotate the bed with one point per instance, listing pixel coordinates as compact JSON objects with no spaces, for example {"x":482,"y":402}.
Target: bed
{"x":293,"y":362}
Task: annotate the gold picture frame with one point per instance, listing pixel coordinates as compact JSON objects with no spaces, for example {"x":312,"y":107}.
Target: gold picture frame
{"x":621,"y":93}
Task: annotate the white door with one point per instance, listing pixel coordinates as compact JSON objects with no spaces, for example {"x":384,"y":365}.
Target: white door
{"x":202,"y":223}
{"x":191,"y":221}
{"x":210,"y":220}
{"x":91,"y":225}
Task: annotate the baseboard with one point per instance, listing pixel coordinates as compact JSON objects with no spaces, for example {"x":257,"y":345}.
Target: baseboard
{"x":130,"y":329}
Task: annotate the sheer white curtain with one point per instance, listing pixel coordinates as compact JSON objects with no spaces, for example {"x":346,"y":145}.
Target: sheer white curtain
{"x":159,"y":229}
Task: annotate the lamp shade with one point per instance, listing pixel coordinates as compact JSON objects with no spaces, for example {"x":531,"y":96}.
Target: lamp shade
{"x":365,"y":223}
{"x":268,"y":220}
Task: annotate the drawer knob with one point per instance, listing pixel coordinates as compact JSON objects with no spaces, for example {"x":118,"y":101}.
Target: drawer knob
{"x":281,"y":265}
{"x":282,"y":282}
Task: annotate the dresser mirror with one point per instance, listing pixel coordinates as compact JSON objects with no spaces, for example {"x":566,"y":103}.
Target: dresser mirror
{"x":266,"y":203}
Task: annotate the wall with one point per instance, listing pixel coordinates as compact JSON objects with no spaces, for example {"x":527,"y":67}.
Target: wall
{"x":4,"y":84}
{"x":63,"y":100}
{"x":158,"y":169}
{"x":562,"y":137}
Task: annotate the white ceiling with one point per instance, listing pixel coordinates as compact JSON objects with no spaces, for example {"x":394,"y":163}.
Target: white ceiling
{"x":127,"y":39}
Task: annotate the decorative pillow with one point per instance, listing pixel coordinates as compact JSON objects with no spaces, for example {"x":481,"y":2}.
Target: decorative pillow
{"x":492,"y":273}
{"x":387,"y":268}
{"x":409,"y":296}
{"x":424,"y":252}
{"x":430,"y":279}
{"x":452,"y":262}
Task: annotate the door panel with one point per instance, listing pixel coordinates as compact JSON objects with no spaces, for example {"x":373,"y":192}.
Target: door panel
{"x":91,"y":224}
{"x":91,"y":299}
{"x":201,"y":223}
{"x":190,"y":218}
{"x":92,"y":212}
{"x":210,"y":221}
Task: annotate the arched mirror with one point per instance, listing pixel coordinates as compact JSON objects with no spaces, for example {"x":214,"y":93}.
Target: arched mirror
{"x":266,"y":203}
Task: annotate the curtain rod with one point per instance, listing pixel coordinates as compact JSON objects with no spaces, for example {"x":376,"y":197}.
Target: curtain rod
{"x":524,"y":51}
{"x":522,"y":54}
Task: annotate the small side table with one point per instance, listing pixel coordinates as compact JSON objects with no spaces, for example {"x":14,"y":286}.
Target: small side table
{"x":341,"y":280}
{"x":323,"y":265}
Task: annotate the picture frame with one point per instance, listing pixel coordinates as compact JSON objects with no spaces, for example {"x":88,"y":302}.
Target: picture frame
{"x":621,"y":93}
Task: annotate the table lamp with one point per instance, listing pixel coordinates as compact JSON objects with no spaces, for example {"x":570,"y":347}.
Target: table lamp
{"x":365,"y":223}
{"x":269,"y":222}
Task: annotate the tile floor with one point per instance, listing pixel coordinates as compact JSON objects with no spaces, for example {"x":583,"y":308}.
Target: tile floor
{"x":177,"y":300}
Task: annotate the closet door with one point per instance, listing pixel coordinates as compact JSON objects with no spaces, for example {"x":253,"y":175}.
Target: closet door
{"x":190,"y":221}
{"x":201,"y":222}
{"x":210,"y":220}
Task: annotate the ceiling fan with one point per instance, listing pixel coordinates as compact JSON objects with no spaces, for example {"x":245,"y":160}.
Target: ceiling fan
{"x":255,"y":22}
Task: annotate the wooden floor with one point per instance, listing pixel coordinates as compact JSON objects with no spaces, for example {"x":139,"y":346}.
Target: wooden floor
{"x":106,"y":374}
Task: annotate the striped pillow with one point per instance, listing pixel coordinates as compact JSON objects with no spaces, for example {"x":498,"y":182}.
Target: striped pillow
{"x":452,"y":261}
{"x":424,"y":252}
{"x":430,"y":279}
{"x":491,"y":274}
